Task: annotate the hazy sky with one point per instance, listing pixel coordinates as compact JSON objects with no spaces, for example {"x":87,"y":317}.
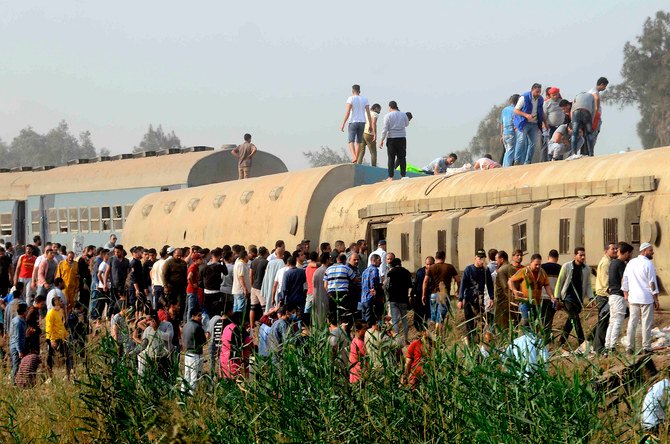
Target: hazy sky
{"x":212,"y":71}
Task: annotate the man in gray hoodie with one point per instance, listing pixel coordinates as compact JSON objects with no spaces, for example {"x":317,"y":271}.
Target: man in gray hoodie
{"x":572,"y":288}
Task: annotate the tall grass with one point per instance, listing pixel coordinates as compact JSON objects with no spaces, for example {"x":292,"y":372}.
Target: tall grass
{"x":306,"y":397}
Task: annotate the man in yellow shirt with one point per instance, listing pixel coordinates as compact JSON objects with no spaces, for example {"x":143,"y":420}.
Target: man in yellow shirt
{"x":56,"y":336}
{"x":68,"y":270}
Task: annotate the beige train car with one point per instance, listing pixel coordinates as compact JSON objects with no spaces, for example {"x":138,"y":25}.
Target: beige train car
{"x":287,"y":206}
{"x":559,"y":205}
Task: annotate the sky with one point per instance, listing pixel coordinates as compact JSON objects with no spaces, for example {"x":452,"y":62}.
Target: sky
{"x":282,"y":71}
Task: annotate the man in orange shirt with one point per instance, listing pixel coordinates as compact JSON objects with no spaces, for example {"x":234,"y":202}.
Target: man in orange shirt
{"x":526,"y":286}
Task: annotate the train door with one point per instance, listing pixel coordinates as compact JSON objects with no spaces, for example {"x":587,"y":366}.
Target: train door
{"x":20,"y":222}
{"x":376,"y":231}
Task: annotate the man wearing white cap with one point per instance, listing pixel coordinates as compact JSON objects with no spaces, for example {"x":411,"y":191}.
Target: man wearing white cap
{"x":640,"y":289}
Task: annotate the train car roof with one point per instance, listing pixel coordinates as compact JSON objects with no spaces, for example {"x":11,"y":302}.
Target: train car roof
{"x":183,"y":168}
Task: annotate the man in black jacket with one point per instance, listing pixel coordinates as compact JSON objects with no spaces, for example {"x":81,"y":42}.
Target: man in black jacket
{"x":398,"y":284}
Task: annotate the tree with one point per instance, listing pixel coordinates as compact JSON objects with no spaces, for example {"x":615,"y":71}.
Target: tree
{"x":487,"y":138}
{"x":57,"y":147}
{"x":646,"y":81}
{"x":156,"y":139}
{"x":326,"y":156}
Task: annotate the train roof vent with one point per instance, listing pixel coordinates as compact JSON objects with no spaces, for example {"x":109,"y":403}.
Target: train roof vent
{"x":228,"y":146}
{"x":98,"y":159}
{"x":77,"y":161}
{"x":203,"y":148}
{"x":121,"y":157}
{"x":44,"y":168}
{"x":4,"y":170}
{"x":144,"y":154}
{"x":168,"y":151}
{"x":188,"y":149}
{"x":19,"y":169}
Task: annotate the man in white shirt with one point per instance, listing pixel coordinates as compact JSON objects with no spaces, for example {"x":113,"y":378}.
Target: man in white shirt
{"x":381,"y":252}
{"x":394,"y":126}
{"x":356,"y":111}
{"x":640,"y":289}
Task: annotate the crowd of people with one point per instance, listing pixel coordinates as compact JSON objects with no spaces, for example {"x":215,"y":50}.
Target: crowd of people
{"x":227,"y":304}
{"x":558,"y":127}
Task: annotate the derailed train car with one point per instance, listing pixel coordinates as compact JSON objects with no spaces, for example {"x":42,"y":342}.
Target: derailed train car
{"x":91,"y":198}
{"x":561,"y":205}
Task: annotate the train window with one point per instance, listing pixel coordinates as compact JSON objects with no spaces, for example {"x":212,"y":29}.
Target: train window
{"x":62,"y":220}
{"x":610,"y":230}
{"x":117,"y":216}
{"x":52,"y":217}
{"x":404,"y":246}
{"x":6,"y":224}
{"x":95,"y":219}
{"x":635,"y":233}
{"x":74,"y":220}
{"x":84,"y":221}
{"x":442,"y":240}
{"x":564,"y":236}
{"x":519,"y":236}
{"x":479,"y":239}
{"x":106,"y":218}
{"x":35,"y":221}
{"x":126,"y":212}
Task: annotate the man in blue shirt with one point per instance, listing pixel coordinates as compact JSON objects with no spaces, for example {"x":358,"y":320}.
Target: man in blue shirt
{"x":440,"y":165}
{"x":528,"y":121}
{"x":17,"y":339}
{"x":293,"y":286}
{"x":372,"y":293}
{"x":507,"y":132}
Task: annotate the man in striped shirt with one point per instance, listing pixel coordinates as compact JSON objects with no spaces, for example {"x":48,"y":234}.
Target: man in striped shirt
{"x":336,"y":282}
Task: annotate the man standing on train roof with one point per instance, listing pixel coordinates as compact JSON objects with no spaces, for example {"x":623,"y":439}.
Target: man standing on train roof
{"x":244,"y":153}
{"x":507,"y":131}
{"x":528,"y":121}
{"x":601,"y":85}
{"x":357,"y":110}
{"x":440,"y":165}
{"x":370,"y":136}
{"x":393,"y":127}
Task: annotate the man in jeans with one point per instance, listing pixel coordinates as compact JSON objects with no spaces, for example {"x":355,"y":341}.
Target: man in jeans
{"x":528,"y":121}
{"x":399,"y":281}
{"x":437,"y":285}
{"x":357,"y":110}
{"x":372,"y":293}
{"x":394,"y":126}
{"x":640,"y":289}
{"x":241,"y":282}
{"x":475,"y":281}
{"x":581,"y":118}
{"x":617,"y":303}
{"x":572,"y":288}
{"x":507,"y":131}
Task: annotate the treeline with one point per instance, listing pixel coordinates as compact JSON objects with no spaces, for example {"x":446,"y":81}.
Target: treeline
{"x":58,"y":146}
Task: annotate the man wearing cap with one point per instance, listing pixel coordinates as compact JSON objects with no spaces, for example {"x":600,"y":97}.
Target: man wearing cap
{"x":119,"y":266}
{"x":475,"y":282}
{"x":640,"y":289}
{"x":528,"y":121}
{"x":381,"y":252}
{"x":555,"y":118}
{"x":440,"y":165}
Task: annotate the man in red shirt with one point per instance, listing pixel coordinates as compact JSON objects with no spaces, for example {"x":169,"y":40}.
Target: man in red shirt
{"x":24,"y":271}
{"x":417,"y":352}
{"x":192,"y":285}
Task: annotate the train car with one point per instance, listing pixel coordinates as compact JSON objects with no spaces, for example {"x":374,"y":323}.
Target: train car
{"x":91,"y":198}
{"x":559,"y":205}
{"x":287,"y":206}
